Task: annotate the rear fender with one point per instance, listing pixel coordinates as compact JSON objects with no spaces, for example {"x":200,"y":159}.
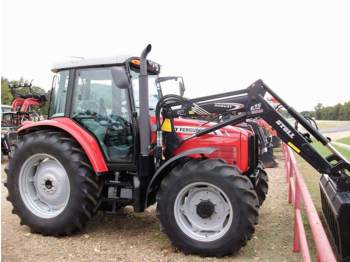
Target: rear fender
{"x":85,"y":139}
{"x":163,"y":171}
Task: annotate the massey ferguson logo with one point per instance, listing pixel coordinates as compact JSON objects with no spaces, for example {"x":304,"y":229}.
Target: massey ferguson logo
{"x":230,"y":106}
{"x":256,"y":109}
{"x":285,"y":129}
{"x":187,"y":129}
{"x":192,"y":130}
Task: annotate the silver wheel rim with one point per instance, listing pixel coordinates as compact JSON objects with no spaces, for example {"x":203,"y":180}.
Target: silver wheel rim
{"x":44,"y":185}
{"x":195,"y":226}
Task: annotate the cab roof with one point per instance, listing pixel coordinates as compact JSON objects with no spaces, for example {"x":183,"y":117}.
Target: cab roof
{"x":86,"y":62}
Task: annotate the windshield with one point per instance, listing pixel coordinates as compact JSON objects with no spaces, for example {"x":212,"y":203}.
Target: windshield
{"x":152,"y":89}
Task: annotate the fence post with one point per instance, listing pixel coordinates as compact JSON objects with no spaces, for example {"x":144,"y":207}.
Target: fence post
{"x":289,"y":172}
{"x":297,"y":204}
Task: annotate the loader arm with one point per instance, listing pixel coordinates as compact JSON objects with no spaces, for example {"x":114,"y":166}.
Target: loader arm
{"x":252,"y":103}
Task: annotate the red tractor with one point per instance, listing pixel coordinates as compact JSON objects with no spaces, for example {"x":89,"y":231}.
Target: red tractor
{"x":114,"y":139}
{"x":24,"y":102}
{"x":24,"y":107}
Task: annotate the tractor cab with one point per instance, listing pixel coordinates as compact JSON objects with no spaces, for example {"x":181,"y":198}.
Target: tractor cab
{"x":102,"y":95}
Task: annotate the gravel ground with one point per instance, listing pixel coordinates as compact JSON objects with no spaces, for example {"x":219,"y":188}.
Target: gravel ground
{"x":136,"y":237}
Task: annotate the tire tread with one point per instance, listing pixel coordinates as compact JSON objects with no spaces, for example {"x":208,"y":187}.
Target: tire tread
{"x":228,"y":174}
{"x":90,"y":185}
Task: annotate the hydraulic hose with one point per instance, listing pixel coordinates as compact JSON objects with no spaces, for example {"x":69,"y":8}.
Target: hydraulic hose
{"x":167,"y":99}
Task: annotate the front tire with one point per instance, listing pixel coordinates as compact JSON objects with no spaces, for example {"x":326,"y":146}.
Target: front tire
{"x":262,"y":187}
{"x":51,"y":184}
{"x":207,"y":207}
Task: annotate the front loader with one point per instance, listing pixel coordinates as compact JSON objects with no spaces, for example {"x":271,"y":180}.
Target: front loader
{"x":334,"y":169}
{"x":112,"y":139}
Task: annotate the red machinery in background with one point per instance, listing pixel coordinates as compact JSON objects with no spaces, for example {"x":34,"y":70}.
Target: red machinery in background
{"x":24,"y":107}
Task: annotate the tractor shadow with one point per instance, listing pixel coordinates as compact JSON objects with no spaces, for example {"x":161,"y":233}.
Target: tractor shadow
{"x":278,"y":154}
{"x":127,"y":229}
{"x":127,"y":223}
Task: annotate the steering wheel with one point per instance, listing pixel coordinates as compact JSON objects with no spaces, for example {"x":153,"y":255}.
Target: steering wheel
{"x":118,"y":129}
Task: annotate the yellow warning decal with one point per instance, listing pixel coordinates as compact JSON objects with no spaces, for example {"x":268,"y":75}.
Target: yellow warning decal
{"x":166,"y":126}
{"x":294,"y":147}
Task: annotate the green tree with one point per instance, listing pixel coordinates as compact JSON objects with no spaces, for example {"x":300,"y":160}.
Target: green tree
{"x":318,"y":109}
{"x":6,"y":96}
{"x":344,"y":112}
{"x":337,"y":112}
{"x":308,"y":113}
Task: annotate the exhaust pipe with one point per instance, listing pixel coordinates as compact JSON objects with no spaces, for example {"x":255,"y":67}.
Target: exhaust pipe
{"x":144,"y":124}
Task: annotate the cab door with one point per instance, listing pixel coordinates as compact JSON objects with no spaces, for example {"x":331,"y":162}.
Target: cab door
{"x":103,"y":108}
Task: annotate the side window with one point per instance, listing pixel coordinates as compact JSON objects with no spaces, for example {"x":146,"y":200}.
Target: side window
{"x":59,"y":93}
{"x":103,"y":108}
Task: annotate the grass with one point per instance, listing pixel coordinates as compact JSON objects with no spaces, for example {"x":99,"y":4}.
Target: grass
{"x":345,"y":140}
{"x":312,"y":179}
{"x":324,"y":151}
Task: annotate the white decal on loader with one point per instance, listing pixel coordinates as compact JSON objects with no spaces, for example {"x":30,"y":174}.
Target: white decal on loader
{"x":230,"y":106}
{"x":285,"y":129}
{"x":256,"y":109}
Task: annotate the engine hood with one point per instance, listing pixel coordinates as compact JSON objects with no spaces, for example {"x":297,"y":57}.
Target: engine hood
{"x":230,"y":142}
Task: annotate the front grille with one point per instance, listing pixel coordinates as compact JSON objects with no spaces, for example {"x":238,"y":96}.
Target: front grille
{"x":253,"y":151}
{"x":253,"y":156}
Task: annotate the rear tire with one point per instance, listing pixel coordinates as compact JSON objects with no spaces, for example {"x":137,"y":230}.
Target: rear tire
{"x":209,"y":181}
{"x":51,"y":184}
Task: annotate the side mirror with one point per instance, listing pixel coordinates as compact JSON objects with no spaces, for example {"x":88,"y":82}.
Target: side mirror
{"x":120,"y":77}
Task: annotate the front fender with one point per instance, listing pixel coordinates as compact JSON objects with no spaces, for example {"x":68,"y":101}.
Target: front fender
{"x":162,"y":171}
{"x":84,"y":138}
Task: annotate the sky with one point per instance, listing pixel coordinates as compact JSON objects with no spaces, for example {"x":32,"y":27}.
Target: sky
{"x":301,"y":49}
